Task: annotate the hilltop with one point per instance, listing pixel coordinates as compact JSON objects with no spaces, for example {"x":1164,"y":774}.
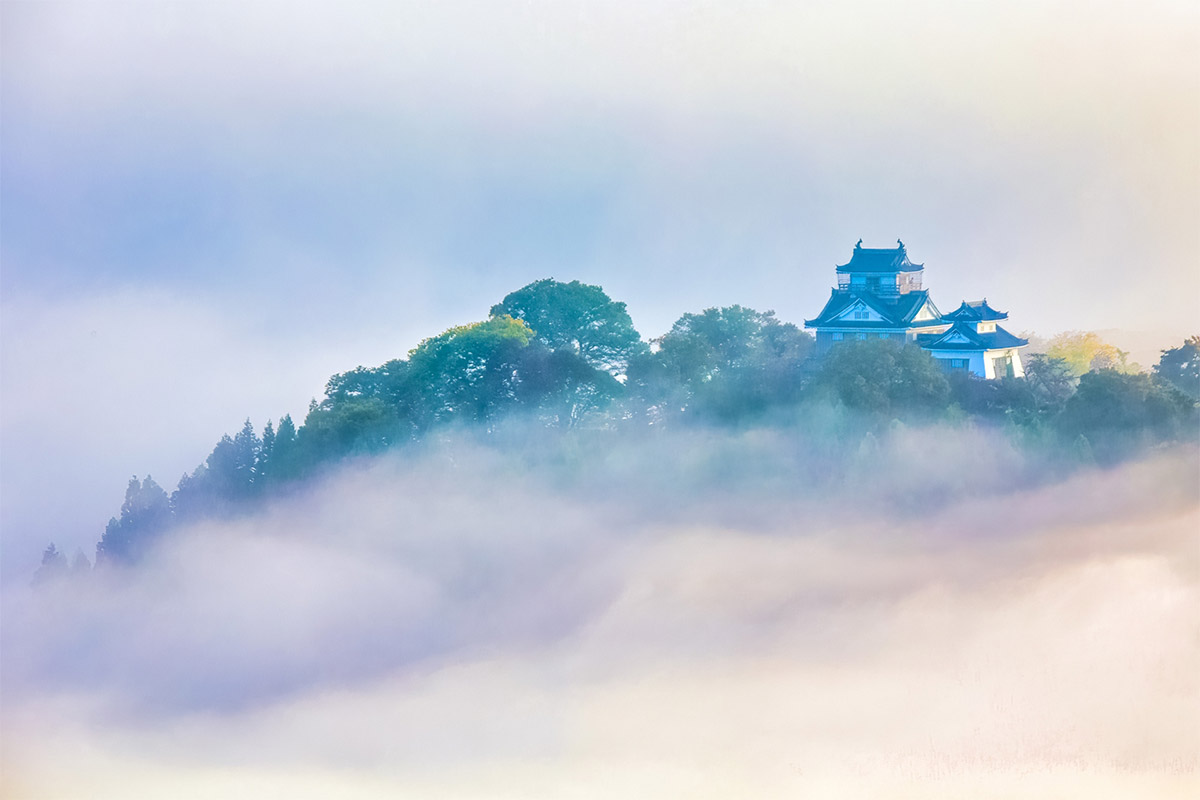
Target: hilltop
{"x":564,"y":357}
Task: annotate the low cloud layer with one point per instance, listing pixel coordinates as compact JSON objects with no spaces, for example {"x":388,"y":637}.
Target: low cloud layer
{"x":690,"y":615}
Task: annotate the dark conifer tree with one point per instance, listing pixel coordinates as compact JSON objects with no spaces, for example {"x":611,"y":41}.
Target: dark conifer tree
{"x":80,"y":563}
{"x":54,"y":565}
{"x":246,"y":448}
{"x":145,"y":515}
{"x":265,"y":451}
{"x":284,"y":463}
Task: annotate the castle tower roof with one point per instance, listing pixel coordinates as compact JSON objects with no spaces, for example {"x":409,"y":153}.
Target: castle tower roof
{"x":880,"y":260}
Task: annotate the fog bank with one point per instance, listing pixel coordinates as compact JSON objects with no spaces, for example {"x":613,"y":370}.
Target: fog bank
{"x":694,"y":615}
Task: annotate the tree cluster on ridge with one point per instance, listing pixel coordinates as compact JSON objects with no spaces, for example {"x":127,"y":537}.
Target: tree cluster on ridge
{"x":565,"y":354}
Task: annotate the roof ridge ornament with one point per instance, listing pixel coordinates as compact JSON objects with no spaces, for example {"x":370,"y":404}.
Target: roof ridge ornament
{"x":859,"y":245}
{"x":900,"y":243}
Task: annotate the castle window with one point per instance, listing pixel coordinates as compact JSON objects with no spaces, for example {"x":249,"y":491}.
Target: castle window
{"x":955,"y":364}
{"x":862,"y":337}
{"x":862,"y":313}
{"x":837,"y":337}
{"x":885,"y":336}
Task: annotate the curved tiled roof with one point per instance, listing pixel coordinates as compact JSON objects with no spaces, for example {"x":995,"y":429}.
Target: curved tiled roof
{"x":870,"y":259}
{"x":996,"y":340}
{"x":978,"y":311}
{"x":898,"y":311}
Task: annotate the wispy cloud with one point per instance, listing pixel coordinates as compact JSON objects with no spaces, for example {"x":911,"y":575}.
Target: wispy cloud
{"x":466,"y":623}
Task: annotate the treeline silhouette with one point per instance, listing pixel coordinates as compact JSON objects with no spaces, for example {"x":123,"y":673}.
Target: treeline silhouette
{"x":565,"y":355}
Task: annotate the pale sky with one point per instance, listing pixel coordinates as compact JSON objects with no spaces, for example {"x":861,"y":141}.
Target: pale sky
{"x":209,"y":208}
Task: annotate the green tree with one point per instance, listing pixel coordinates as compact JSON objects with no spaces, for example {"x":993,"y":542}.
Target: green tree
{"x":1180,"y":367}
{"x":1011,"y":399}
{"x":392,"y":384}
{"x":1051,"y":381}
{"x":351,"y":426}
{"x":185,"y":501}
{"x":388,"y":382}
{"x":1120,"y":413}
{"x":265,"y":451}
{"x":231,"y":472}
{"x":470,"y":372}
{"x":230,"y":477}
{"x":576,"y":317}
{"x":1084,"y":351}
{"x":145,"y":515}
{"x":1029,"y":401}
{"x":247,"y":447}
{"x":729,"y":363}
{"x":285,"y":456}
{"x":560,"y":388}
{"x":884,"y":378}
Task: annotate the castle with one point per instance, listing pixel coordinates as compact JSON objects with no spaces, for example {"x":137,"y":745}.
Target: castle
{"x":879,"y":296}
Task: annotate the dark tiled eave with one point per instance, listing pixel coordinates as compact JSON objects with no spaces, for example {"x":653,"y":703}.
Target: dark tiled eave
{"x":870,"y":259}
{"x":978,"y":311}
{"x":897,"y":310}
{"x":999,"y":339}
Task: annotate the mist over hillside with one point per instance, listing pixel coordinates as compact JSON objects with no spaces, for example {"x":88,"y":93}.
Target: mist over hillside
{"x":302,"y":496}
{"x":693,"y":612}
{"x":563,"y":363}
{"x":539,"y":553}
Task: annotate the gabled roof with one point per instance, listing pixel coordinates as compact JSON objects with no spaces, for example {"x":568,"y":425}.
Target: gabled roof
{"x":962,"y":336}
{"x":837,"y":303}
{"x":909,"y":304}
{"x":869,"y":259}
{"x":897,"y":312}
{"x":978,"y":311}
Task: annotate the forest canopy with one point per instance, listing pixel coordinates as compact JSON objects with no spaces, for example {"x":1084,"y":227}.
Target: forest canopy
{"x":565,"y":357}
